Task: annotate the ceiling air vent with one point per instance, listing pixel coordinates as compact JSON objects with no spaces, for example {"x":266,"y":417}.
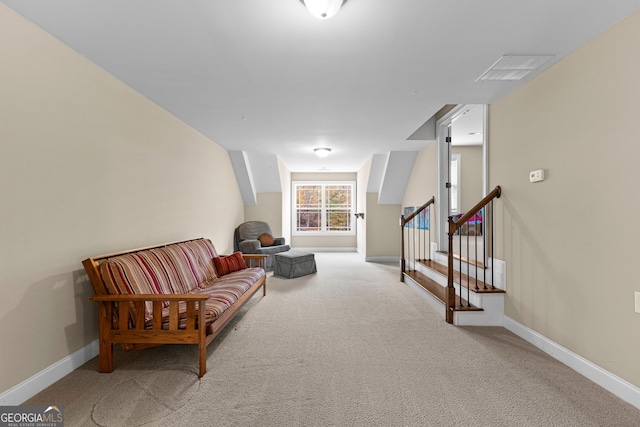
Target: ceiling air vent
{"x":514,"y":67}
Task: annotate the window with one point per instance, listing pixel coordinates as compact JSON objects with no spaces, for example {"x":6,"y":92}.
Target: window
{"x":323,"y":207}
{"x":455,"y":183}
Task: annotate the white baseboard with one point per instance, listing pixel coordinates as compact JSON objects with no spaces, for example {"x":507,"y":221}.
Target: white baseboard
{"x":616,"y":385}
{"x":28,"y":388}
{"x":326,"y":249}
{"x":383,"y":259}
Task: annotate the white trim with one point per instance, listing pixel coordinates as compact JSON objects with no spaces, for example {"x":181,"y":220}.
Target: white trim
{"x":323,"y":209}
{"x":499,"y":268}
{"x":327,"y":249}
{"x":492,"y":314}
{"x":616,"y":385}
{"x":28,"y":388}
{"x":485,"y":149}
{"x":442,"y":196}
{"x":383,"y":259}
{"x":442,"y":159}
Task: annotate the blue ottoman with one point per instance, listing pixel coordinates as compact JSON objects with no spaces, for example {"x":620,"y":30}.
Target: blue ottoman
{"x":292,"y":264}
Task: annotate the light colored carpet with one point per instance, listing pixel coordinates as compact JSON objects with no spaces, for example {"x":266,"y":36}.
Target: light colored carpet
{"x":348,"y":346}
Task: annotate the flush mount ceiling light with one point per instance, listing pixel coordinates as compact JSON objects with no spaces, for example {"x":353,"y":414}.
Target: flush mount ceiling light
{"x":322,"y":151}
{"x":323,"y":9}
{"x":514,"y":67}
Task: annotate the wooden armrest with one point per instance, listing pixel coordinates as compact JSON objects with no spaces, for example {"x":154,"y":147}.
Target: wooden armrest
{"x":250,"y":256}
{"x":150,"y":297}
{"x":255,"y":256}
{"x":252,"y":259}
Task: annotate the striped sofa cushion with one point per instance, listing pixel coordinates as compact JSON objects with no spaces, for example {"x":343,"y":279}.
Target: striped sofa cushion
{"x":137,"y":273}
{"x":190,"y":264}
{"x":222,"y":294}
{"x":203,"y":252}
{"x":227,"y":290}
{"x":173,"y":269}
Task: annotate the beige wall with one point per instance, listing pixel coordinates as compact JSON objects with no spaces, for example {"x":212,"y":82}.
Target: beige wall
{"x":571,"y":241}
{"x":423,"y":181}
{"x":361,"y":206}
{"x":87,"y":166}
{"x":422,"y":186}
{"x":268,"y":208}
{"x":324,"y":241}
{"x":338,"y":242}
{"x":470,"y":175}
{"x":383,"y":229}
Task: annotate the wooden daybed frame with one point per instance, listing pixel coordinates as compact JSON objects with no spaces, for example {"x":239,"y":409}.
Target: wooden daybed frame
{"x":130,"y":331}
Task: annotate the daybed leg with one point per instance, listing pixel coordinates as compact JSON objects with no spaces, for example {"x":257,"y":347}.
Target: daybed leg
{"x":264,"y":288}
{"x":105,"y":355}
{"x":203,"y":359}
{"x":202,"y":343}
{"x":105,"y":358}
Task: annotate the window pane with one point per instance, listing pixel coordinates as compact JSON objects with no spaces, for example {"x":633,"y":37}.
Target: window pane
{"x":338,"y":195}
{"x":308,"y":207}
{"x":308,"y":220}
{"x":308,"y":196}
{"x":455,"y":178}
{"x":338,"y":220}
{"x":338,"y":205}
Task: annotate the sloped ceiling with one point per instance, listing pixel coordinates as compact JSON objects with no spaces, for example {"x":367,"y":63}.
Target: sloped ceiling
{"x":267,"y":78}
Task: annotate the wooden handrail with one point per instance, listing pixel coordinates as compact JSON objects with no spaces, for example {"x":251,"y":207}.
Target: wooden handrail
{"x":453,"y":227}
{"x":495,"y":193}
{"x":403,"y":222}
{"x":417,"y":211}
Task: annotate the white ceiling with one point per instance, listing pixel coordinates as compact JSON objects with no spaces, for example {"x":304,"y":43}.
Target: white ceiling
{"x":266,"y":77}
{"x":468,"y":126}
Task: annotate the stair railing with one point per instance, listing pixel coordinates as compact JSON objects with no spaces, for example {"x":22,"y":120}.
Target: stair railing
{"x":416,"y":246}
{"x":474,"y":221}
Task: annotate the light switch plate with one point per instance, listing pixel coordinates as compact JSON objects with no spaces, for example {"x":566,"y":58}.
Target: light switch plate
{"x":637,"y":302}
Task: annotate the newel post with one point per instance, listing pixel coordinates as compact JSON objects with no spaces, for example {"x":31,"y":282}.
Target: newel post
{"x":451,"y":292}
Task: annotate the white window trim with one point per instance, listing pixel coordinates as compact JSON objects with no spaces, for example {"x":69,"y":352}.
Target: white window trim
{"x":352,"y":211}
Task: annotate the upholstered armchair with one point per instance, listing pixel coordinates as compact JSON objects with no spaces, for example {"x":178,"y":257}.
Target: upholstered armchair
{"x":254,"y":237}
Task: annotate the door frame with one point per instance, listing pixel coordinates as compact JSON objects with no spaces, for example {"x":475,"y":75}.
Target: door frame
{"x":442,"y":167}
